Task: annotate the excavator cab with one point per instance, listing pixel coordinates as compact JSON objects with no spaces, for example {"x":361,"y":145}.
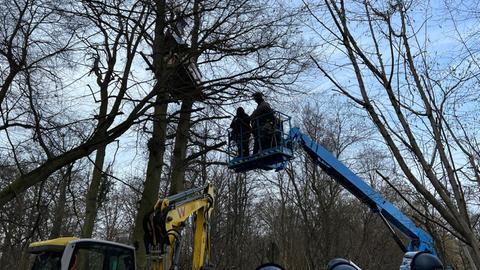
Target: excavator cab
{"x":70,"y":253}
{"x":268,"y":142}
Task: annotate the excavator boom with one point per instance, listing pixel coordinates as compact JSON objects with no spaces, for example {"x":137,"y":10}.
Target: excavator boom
{"x":164,"y":225}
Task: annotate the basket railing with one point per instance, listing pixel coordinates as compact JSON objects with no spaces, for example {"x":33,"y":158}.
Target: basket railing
{"x":265,"y":132}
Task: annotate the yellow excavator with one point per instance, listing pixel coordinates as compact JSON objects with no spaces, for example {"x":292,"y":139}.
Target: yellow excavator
{"x":163,"y":239}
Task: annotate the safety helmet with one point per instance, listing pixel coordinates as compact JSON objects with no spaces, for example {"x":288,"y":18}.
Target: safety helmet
{"x":426,"y":261}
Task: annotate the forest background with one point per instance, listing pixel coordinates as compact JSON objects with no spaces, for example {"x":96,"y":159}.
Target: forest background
{"x":92,"y":132}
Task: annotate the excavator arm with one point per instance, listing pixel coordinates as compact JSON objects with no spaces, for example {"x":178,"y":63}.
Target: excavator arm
{"x":163,"y":228}
{"x":163,"y":232}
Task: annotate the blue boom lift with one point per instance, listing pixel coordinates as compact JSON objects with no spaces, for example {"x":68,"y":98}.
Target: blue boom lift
{"x":275,"y":149}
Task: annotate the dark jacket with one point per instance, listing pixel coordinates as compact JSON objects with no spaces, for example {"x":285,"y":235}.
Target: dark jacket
{"x":241,"y":128}
{"x":262,"y":114}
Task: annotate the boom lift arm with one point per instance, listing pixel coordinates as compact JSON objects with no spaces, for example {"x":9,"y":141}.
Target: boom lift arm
{"x":278,"y":151}
{"x":163,"y":227}
{"x":420,"y":240}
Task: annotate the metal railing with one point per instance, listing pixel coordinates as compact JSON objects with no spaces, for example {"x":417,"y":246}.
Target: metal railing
{"x":268,"y":131}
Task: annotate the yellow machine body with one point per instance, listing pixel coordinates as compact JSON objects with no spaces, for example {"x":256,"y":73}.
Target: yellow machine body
{"x":169,"y":216}
{"x":57,"y":244}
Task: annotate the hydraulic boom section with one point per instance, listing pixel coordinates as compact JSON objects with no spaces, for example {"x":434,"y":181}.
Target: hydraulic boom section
{"x":163,"y":228}
{"x":420,"y":240}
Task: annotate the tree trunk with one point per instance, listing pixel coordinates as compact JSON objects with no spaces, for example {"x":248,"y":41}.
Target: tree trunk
{"x":156,"y":144}
{"x":6,"y":249}
{"x":474,"y":251}
{"x":156,"y":147}
{"x":60,"y":207}
{"x":467,"y":252}
{"x":177,"y":181}
{"x":92,"y":194}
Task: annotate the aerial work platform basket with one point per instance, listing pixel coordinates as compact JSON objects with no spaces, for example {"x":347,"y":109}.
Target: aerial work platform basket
{"x":267,"y":145}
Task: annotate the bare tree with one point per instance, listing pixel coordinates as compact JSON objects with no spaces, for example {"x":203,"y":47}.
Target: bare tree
{"x":217,"y":33}
{"x":128,"y":105}
{"x":59,"y":212}
{"x":119,"y":31}
{"x":409,"y":99}
{"x":23,"y":42}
